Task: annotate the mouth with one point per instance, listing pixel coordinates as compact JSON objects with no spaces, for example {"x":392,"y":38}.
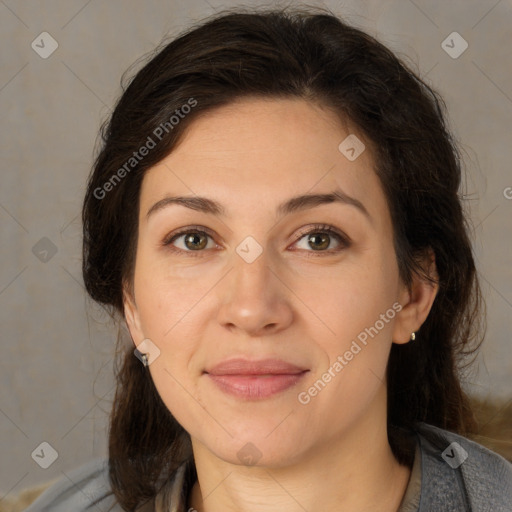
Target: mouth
{"x":255,"y":380}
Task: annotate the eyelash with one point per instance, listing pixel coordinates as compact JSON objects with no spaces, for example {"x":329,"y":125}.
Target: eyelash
{"x":343,"y":240}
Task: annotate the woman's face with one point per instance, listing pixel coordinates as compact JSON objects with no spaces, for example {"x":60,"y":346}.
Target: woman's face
{"x":244,"y":279}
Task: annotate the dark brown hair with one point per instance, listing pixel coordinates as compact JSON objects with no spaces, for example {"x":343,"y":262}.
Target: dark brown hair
{"x":310,"y":54}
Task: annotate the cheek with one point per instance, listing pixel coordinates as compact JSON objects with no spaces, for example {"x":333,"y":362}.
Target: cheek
{"x":350,"y":300}
{"x":354,"y":367}
{"x":176,"y":390}
{"x":357,"y":317}
{"x":163,"y":300}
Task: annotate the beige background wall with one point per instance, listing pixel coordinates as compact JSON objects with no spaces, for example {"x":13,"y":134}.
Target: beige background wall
{"x":56,"y":356}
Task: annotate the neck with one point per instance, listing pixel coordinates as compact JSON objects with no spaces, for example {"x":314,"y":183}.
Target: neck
{"x":354,"y":472}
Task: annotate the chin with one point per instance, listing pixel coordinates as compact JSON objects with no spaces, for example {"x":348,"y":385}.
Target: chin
{"x":257,"y":449}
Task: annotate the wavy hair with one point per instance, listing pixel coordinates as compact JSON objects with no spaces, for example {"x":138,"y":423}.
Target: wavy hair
{"x":311,"y":54}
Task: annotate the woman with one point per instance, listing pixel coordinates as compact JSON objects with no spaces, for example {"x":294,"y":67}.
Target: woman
{"x":275,"y":215}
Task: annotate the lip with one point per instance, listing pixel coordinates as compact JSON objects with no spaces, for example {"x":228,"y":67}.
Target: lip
{"x":255,"y":380}
{"x":239,"y":366}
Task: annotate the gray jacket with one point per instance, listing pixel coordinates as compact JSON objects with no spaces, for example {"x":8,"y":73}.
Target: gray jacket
{"x":457,"y":475}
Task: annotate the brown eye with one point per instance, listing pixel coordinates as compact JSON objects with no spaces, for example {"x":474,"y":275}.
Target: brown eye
{"x":318,"y":239}
{"x":195,"y":241}
{"x":189,"y":240}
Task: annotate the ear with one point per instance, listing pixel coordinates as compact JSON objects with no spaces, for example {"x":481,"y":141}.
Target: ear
{"x":416,"y":301}
{"x":132,"y":318}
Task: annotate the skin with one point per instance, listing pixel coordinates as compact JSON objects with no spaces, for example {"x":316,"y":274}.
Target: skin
{"x":200,"y":307}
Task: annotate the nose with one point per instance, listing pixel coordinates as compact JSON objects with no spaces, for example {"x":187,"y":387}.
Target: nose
{"x":254,"y":299}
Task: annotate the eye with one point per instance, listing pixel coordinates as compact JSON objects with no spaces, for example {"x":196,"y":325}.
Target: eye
{"x":194,"y":239}
{"x":191,"y":239}
{"x":320,"y":237}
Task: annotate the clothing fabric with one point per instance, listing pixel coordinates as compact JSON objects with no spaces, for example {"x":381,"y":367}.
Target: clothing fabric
{"x":450,"y":474}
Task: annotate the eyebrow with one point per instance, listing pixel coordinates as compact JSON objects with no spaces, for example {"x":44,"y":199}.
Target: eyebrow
{"x":302,"y":202}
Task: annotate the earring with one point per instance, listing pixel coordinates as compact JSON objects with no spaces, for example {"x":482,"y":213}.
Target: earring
{"x":145,"y":359}
{"x":413,"y":336}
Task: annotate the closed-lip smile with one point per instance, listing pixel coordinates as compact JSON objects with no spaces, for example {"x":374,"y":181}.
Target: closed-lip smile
{"x":255,"y":379}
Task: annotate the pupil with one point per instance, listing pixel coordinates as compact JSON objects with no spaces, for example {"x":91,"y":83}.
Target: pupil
{"x":192,"y":239}
{"x":325,"y":238}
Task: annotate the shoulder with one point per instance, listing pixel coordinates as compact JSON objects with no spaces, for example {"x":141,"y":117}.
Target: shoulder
{"x":462,"y":472}
{"x":85,"y":488}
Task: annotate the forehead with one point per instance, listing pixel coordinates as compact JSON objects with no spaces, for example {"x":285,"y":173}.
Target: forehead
{"x":259,"y":152}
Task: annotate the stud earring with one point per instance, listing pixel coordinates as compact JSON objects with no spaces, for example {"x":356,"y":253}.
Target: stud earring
{"x":413,"y":336}
{"x":145,"y":359}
